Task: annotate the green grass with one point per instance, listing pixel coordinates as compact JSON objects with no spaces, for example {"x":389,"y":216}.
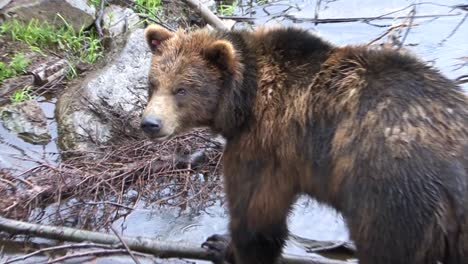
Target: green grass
{"x":147,"y":8}
{"x":84,"y":45}
{"x":72,"y":73}
{"x":227,"y":10}
{"x":15,"y":67}
{"x":96,"y":3}
{"x":21,"y":95}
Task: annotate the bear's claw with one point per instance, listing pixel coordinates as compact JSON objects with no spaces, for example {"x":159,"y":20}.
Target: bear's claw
{"x":217,"y":246}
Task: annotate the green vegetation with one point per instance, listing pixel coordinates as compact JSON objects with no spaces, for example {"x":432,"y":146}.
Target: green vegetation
{"x":72,"y":73}
{"x":16,"y":66}
{"x":83,"y":45}
{"x":21,"y":95}
{"x":227,"y":10}
{"x":95,"y":3}
{"x":147,"y":9}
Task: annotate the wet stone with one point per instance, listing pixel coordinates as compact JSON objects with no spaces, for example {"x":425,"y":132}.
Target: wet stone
{"x":27,"y":120}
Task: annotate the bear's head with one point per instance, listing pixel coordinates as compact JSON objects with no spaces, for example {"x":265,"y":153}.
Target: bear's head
{"x":188,"y":76}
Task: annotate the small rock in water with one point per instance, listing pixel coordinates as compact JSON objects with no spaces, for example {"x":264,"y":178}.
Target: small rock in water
{"x":27,"y":120}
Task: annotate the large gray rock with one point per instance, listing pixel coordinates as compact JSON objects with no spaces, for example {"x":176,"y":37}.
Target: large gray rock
{"x":107,"y":103}
{"x":3,"y":3}
{"x":27,"y":120}
{"x":76,"y":12}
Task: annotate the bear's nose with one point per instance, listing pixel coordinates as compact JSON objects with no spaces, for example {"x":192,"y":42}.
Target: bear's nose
{"x":151,"y":125}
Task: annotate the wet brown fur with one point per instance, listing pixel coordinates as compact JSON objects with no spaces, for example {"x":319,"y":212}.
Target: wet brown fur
{"x":375,"y":134}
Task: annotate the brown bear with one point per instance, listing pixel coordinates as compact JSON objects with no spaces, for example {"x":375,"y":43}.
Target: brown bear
{"x":375,"y":134}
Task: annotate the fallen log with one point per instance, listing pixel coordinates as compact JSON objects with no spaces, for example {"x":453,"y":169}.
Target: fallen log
{"x":155,"y":247}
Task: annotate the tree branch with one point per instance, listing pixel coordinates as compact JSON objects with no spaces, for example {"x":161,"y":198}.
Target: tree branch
{"x":157,"y":248}
{"x":206,"y":13}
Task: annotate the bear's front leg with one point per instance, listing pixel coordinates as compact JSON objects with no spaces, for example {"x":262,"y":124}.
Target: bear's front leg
{"x":259,"y":202}
{"x":220,"y":247}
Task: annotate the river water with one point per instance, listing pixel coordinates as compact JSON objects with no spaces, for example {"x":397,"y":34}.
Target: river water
{"x":438,"y":38}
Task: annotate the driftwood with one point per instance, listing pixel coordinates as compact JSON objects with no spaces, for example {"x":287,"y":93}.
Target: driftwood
{"x":50,"y":70}
{"x":154,"y":247}
{"x":206,"y":13}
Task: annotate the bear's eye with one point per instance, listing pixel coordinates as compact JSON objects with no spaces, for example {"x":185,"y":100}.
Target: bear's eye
{"x":181,"y":91}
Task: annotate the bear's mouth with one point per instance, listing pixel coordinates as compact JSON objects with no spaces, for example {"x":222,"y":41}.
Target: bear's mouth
{"x":161,"y":138}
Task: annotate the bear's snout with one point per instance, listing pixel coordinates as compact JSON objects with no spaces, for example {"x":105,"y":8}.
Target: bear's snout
{"x":151,"y":125}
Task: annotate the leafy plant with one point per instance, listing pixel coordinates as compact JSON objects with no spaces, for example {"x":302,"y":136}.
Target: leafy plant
{"x":21,"y":95}
{"x":19,"y":63}
{"x":71,"y":72}
{"x":227,"y":10}
{"x":95,"y":3}
{"x":16,"y":66}
{"x":147,"y":6}
{"x":4,"y":71}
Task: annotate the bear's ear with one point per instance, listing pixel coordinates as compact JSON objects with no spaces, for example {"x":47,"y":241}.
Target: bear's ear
{"x":155,"y":35}
{"x":223,"y":54}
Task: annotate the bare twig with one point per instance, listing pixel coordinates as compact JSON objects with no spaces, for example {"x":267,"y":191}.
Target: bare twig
{"x":317,"y":10}
{"x":56,"y":248}
{"x":456,"y":28}
{"x":412,"y":14}
{"x":364,"y":19}
{"x":389,"y":31}
{"x":462,"y":7}
{"x":98,"y":20}
{"x":110,"y":203}
{"x":462,"y":79}
{"x":91,"y":253}
{"x":125,"y":245}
